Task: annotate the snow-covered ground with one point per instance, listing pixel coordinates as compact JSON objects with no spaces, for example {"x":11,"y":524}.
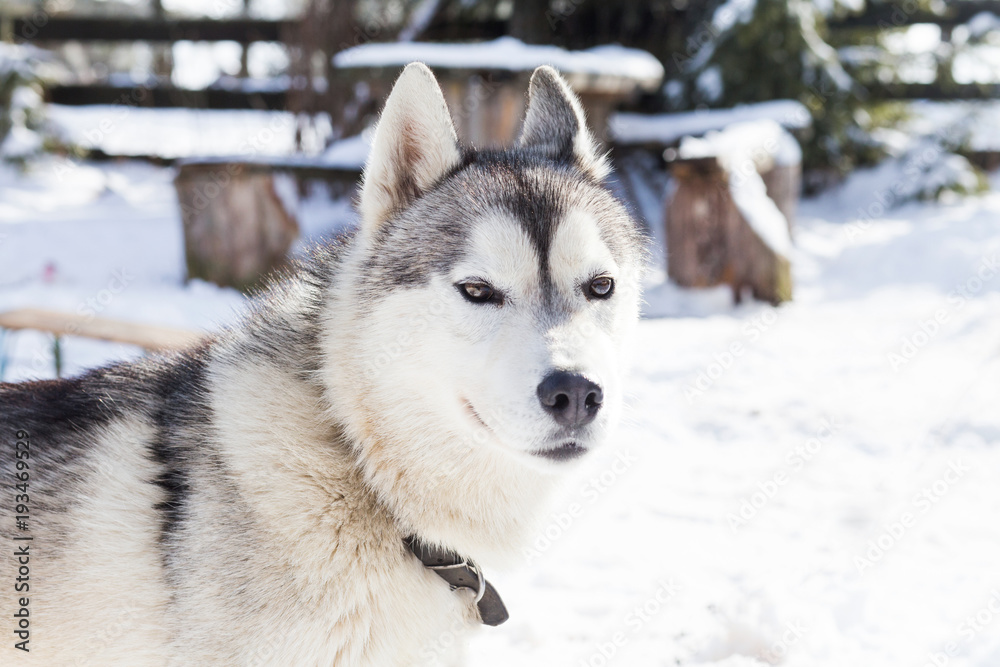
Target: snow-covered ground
{"x":809,"y":485}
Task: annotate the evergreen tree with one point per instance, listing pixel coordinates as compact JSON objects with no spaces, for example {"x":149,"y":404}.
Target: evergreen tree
{"x":774,"y":49}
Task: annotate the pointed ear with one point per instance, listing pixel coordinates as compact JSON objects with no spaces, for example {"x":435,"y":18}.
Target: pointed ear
{"x":555,"y":124}
{"x":414,"y":146}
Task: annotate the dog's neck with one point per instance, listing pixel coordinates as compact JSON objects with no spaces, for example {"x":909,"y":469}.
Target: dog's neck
{"x":475,"y":504}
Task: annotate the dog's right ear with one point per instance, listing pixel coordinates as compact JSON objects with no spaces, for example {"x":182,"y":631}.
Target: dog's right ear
{"x":556,"y":126}
{"x":414,"y":146}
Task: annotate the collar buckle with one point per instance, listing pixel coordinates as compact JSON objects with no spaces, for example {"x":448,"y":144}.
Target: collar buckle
{"x":461,"y":572}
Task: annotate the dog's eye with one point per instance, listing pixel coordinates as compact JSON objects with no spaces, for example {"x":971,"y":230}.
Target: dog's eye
{"x":601,"y":287}
{"x":479,"y":292}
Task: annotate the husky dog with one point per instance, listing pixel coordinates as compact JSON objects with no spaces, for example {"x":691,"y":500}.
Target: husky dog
{"x":311,"y":486}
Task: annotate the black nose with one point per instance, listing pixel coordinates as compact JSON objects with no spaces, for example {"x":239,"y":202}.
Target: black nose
{"x":570,"y":398}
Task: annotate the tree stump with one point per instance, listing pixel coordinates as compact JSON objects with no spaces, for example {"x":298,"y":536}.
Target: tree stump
{"x":713,"y":239}
{"x":697,"y":226}
{"x":236,"y":228}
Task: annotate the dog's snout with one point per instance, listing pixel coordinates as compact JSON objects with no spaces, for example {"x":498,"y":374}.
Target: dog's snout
{"x":570,"y":398}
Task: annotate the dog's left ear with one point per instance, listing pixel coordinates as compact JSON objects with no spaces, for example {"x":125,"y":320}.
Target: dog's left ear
{"x":414,"y":146}
{"x":556,"y":126}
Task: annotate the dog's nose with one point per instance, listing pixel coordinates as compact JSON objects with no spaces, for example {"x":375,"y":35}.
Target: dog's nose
{"x":570,"y":398}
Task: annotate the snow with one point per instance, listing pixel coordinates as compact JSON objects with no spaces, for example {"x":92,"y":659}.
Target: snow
{"x":18,"y":60}
{"x":507,"y":53}
{"x":420,"y":19}
{"x":982,"y":24}
{"x":969,"y":123}
{"x":925,"y":171}
{"x":348,"y":153}
{"x":666,"y":129}
{"x":731,"y":13}
{"x":20,"y":143}
{"x":812,"y":485}
{"x":761,"y":213}
{"x":124,"y":129}
{"x":709,"y":83}
{"x":745,"y":150}
{"x":762,"y":142}
{"x":923,"y":163}
{"x":725,"y":17}
{"x":19,"y":66}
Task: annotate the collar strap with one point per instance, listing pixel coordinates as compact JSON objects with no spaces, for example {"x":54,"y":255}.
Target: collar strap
{"x":461,"y":572}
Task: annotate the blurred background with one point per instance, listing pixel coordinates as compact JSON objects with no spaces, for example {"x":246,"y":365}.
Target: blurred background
{"x":806,"y":474}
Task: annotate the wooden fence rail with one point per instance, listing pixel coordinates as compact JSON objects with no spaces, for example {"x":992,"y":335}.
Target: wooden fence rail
{"x":42,"y":28}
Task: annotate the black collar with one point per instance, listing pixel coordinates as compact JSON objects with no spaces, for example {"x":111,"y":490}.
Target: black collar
{"x":461,"y":572}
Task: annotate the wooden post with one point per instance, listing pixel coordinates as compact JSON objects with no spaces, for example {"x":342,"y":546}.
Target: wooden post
{"x":236,"y":228}
{"x":696,"y":224}
{"x":711,"y":242}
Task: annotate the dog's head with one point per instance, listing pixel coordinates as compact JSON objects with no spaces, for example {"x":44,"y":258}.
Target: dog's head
{"x":497,"y":288}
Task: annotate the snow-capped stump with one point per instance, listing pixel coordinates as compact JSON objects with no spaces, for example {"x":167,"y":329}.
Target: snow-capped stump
{"x":236,"y":227}
{"x":485,"y":83}
{"x":730,"y":218}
